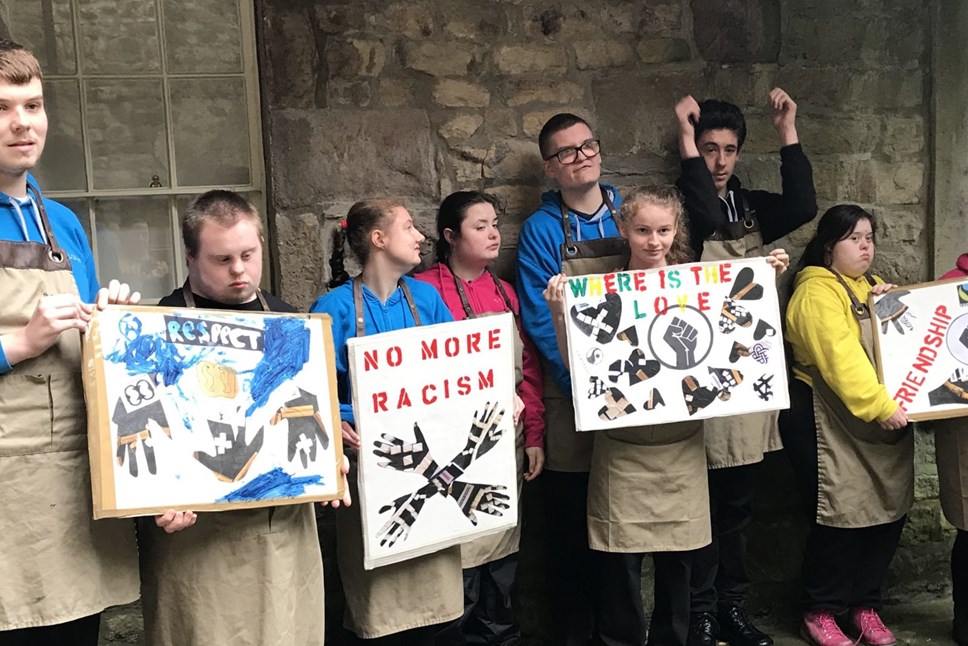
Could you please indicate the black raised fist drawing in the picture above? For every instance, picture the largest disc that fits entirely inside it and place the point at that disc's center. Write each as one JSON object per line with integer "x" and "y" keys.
{"x": 681, "y": 337}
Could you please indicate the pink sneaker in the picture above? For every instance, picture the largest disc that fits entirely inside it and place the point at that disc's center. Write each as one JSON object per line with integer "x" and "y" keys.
{"x": 867, "y": 623}
{"x": 820, "y": 629}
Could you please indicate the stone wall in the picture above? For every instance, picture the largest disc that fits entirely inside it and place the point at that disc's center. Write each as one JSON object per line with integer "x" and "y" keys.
{"x": 416, "y": 99}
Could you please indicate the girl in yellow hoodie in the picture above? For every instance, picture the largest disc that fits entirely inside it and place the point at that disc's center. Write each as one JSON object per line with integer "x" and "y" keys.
{"x": 847, "y": 439}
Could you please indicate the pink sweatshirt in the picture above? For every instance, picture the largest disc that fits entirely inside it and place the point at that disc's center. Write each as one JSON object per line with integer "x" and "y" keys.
{"x": 961, "y": 268}
{"x": 483, "y": 297}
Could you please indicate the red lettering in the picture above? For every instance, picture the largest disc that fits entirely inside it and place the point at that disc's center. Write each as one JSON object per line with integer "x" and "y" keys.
{"x": 639, "y": 280}
{"x": 485, "y": 380}
{"x": 724, "y": 276}
{"x": 661, "y": 279}
{"x": 494, "y": 339}
{"x": 379, "y": 402}
{"x": 428, "y": 350}
{"x": 463, "y": 385}
{"x": 394, "y": 356}
{"x": 370, "y": 360}
{"x": 474, "y": 342}
{"x": 404, "y": 399}
{"x": 696, "y": 272}
{"x": 429, "y": 399}
{"x": 451, "y": 346}
{"x": 703, "y": 301}
{"x": 609, "y": 283}
{"x": 661, "y": 305}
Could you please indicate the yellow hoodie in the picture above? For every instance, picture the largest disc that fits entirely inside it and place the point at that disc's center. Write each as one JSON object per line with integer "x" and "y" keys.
{"x": 824, "y": 333}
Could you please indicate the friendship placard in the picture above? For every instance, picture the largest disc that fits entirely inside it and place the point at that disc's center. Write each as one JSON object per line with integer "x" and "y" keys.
{"x": 921, "y": 340}
{"x": 664, "y": 345}
{"x": 210, "y": 410}
{"x": 434, "y": 407}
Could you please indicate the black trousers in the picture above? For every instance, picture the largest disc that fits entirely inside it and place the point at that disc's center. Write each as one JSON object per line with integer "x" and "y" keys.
{"x": 80, "y": 632}
{"x": 620, "y": 615}
{"x": 572, "y": 565}
{"x": 719, "y": 576}
{"x": 842, "y": 568}
{"x": 959, "y": 572}
{"x": 488, "y": 615}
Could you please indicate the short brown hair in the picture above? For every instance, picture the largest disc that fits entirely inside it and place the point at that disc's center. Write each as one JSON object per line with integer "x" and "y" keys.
{"x": 222, "y": 207}
{"x": 17, "y": 65}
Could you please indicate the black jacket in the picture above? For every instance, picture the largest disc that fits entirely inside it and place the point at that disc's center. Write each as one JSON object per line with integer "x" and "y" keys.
{"x": 777, "y": 214}
{"x": 177, "y": 299}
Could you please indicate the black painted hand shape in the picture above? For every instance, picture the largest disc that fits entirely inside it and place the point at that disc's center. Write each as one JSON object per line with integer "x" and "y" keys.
{"x": 681, "y": 337}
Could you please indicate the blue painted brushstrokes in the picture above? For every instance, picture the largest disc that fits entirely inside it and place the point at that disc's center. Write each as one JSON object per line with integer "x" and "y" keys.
{"x": 273, "y": 484}
{"x": 285, "y": 352}
{"x": 145, "y": 354}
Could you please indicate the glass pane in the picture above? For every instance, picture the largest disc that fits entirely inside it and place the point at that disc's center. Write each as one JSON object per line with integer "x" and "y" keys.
{"x": 211, "y": 131}
{"x": 128, "y": 138}
{"x": 134, "y": 242}
{"x": 62, "y": 166}
{"x": 119, "y": 37}
{"x": 46, "y": 28}
{"x": 79, "y": 206}
{"x": 203, "y": 37}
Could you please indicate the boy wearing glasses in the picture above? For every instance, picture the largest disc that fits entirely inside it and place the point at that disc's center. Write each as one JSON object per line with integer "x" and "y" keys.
{"x": 573, "y": 232}
{"x": 728, "y": 221}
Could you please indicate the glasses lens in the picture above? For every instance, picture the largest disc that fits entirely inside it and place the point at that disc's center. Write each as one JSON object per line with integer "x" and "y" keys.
{"x": 591, "y": 148}
{"x": 567, "y": 155}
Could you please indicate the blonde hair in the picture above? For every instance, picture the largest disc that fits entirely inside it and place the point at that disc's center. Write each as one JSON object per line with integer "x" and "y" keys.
{"x": 17, "y": 65}
{"x": 665, "y": 196}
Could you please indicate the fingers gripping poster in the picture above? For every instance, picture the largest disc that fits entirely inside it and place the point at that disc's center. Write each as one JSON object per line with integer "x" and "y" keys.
{"x": 681, "y": 342}
{"x": 921, "y": 338}
{"x": 434, "y": 407}
{"x": 210, "y": 410}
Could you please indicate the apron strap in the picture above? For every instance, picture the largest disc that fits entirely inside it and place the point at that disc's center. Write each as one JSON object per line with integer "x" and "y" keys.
{"x": 190, "y": 297}
{"x": 565, "y": 220}
{"x": 54, "y": 251}
{"x": 465, "y": 303}
{"x": 860, "y": 310}
{"x": 358, "y": 305}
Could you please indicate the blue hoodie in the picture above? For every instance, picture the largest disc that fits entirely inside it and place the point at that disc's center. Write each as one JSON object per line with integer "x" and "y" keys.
{"x": 379, "y": 317}
{"x": 68, "y": 231}
{"x": 539, "y": 258}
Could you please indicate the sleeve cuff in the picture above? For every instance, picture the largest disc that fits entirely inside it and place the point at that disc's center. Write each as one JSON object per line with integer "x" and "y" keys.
{"x": 792, "y": 149}
{"x": 4, "y": 364}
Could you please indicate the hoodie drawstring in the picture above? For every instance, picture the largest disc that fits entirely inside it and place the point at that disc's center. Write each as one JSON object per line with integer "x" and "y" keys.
{"x": 36, "y": 213}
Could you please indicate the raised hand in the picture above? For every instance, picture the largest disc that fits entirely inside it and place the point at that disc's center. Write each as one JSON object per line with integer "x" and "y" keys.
{"x": 482, "y": 436}
{"x": 687, "y": 117}
{"x": 487, "y": 499}
{"x": 401, "y": 455}
{"x": 681, "y": 337}
{"x": 784, "y": 116}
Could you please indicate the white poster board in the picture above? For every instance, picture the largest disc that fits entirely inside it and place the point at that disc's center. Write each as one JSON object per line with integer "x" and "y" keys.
{"x": 921, "y": 340}
{"x": 210, "y": 410}
{"x": 434, "y": 407}
{"x": 682, "y": 342}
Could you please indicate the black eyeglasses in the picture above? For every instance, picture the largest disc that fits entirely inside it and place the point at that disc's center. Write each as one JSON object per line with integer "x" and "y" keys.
{"x": 569, "y": 155}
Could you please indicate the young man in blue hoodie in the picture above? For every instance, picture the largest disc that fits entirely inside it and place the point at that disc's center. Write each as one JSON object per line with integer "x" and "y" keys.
{"x": 60, "y": 568}
{"x": 573, "y": 231}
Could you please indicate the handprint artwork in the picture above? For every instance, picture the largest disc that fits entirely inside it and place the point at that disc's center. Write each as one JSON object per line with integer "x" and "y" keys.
{"x": 415, "y": 457}
{"x": 890, "y": 309}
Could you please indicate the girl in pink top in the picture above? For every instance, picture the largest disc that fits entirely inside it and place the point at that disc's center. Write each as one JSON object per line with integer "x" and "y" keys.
{"x": 468, "y": 240}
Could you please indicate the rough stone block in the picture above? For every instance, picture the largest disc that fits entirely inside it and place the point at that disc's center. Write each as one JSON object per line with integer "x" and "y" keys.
{"x": 533, "y": 122}
{"x": 289, "y": 77}
{"x": 897, "y": 182}
{"x": 395, "y": 93}
{"x": 923, "y": 524}
{"x": 904, "y": 265}
{"x": 902, "y": 138}
{"x": 499, "y": 124}
{"x": 515, "y": 159}
{"x": 333, "y": 18}
{"x": 469, "y": 163}
{"x": 461, "y": 94}
{"x": 348, "y": 58}
{"x": 340, "y": 92}
{"x": 663, "y": 50}
{"x": 517, "y": 203}
{"x": 522, "y": 59}
{"x": 661, "y": 19}
{"x": 525, "y": 91}
{"x": 415, "y": 21}
{"x": 440, "y": 59}
{"x": 300, "y": 253}
{"x": 460, "y": 127}
{"x": 332, "y": 154}
{"x": 562, "y": 22}
{"x": 737, "y": 31}
{"x": 595, "y": 54}
{"x": 899, "y": 225}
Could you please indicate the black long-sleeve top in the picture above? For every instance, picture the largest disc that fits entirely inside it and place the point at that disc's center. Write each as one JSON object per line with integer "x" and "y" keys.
{"x": 778, "y": 214}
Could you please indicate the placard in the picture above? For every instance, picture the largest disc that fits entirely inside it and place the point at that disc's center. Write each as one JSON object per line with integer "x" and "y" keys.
{"x": 921, "y": 342}
{"x": 681, "y": 342}
{"x": 434, "y": 407}
{"x": 209, "y": 410}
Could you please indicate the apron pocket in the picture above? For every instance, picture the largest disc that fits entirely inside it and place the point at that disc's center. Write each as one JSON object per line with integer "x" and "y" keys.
{"x": 26, "y": 425}
{"x": 68, "y": 413}
{"x": 655, "y": 435}
{"x": 249, "y": 523}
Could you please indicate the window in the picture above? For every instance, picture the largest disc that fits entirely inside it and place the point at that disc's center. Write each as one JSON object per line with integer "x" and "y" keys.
{"x": 150, "y": 103}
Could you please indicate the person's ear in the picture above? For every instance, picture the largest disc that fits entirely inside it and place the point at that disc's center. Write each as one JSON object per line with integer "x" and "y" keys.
{"x": 450, "y": 236}
{"x": 377, "y": 239}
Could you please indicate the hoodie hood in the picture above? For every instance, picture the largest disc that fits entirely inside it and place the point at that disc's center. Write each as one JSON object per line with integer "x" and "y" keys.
{"x": 812, "y": 273}
{"x": 603, "y": 225}
{"x": 961, "y": 267}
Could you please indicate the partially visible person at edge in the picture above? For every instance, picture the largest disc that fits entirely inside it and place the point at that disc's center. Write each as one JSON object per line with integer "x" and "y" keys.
{"x": 848, "y": 441}
{"x": 256, "y": 574}
{"x": 728, "y": 221}
{"x": 951, "y": 453}
{"x": 468, "y": 241}
{"x": 407, "y": 603}
{"x": 59, "y": 567}
{"x": 573, "y": 231}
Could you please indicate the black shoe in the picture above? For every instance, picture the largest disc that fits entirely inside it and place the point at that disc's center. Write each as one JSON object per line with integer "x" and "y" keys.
{"x": 703, "y": 629}
{"x": 738, "y": 630}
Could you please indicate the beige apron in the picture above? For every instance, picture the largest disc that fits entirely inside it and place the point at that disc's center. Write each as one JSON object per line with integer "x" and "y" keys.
{"x": 865, "y": 474}
{"x": 951, "y": 455}
{"x": 56, "y": 563}
{"x": 246, "y": 577}
{"x": 648, "y": 491}
{"x": 742, "y": 439}
{"x": 419, "y": 592}
{"x": 567, "y": 449}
